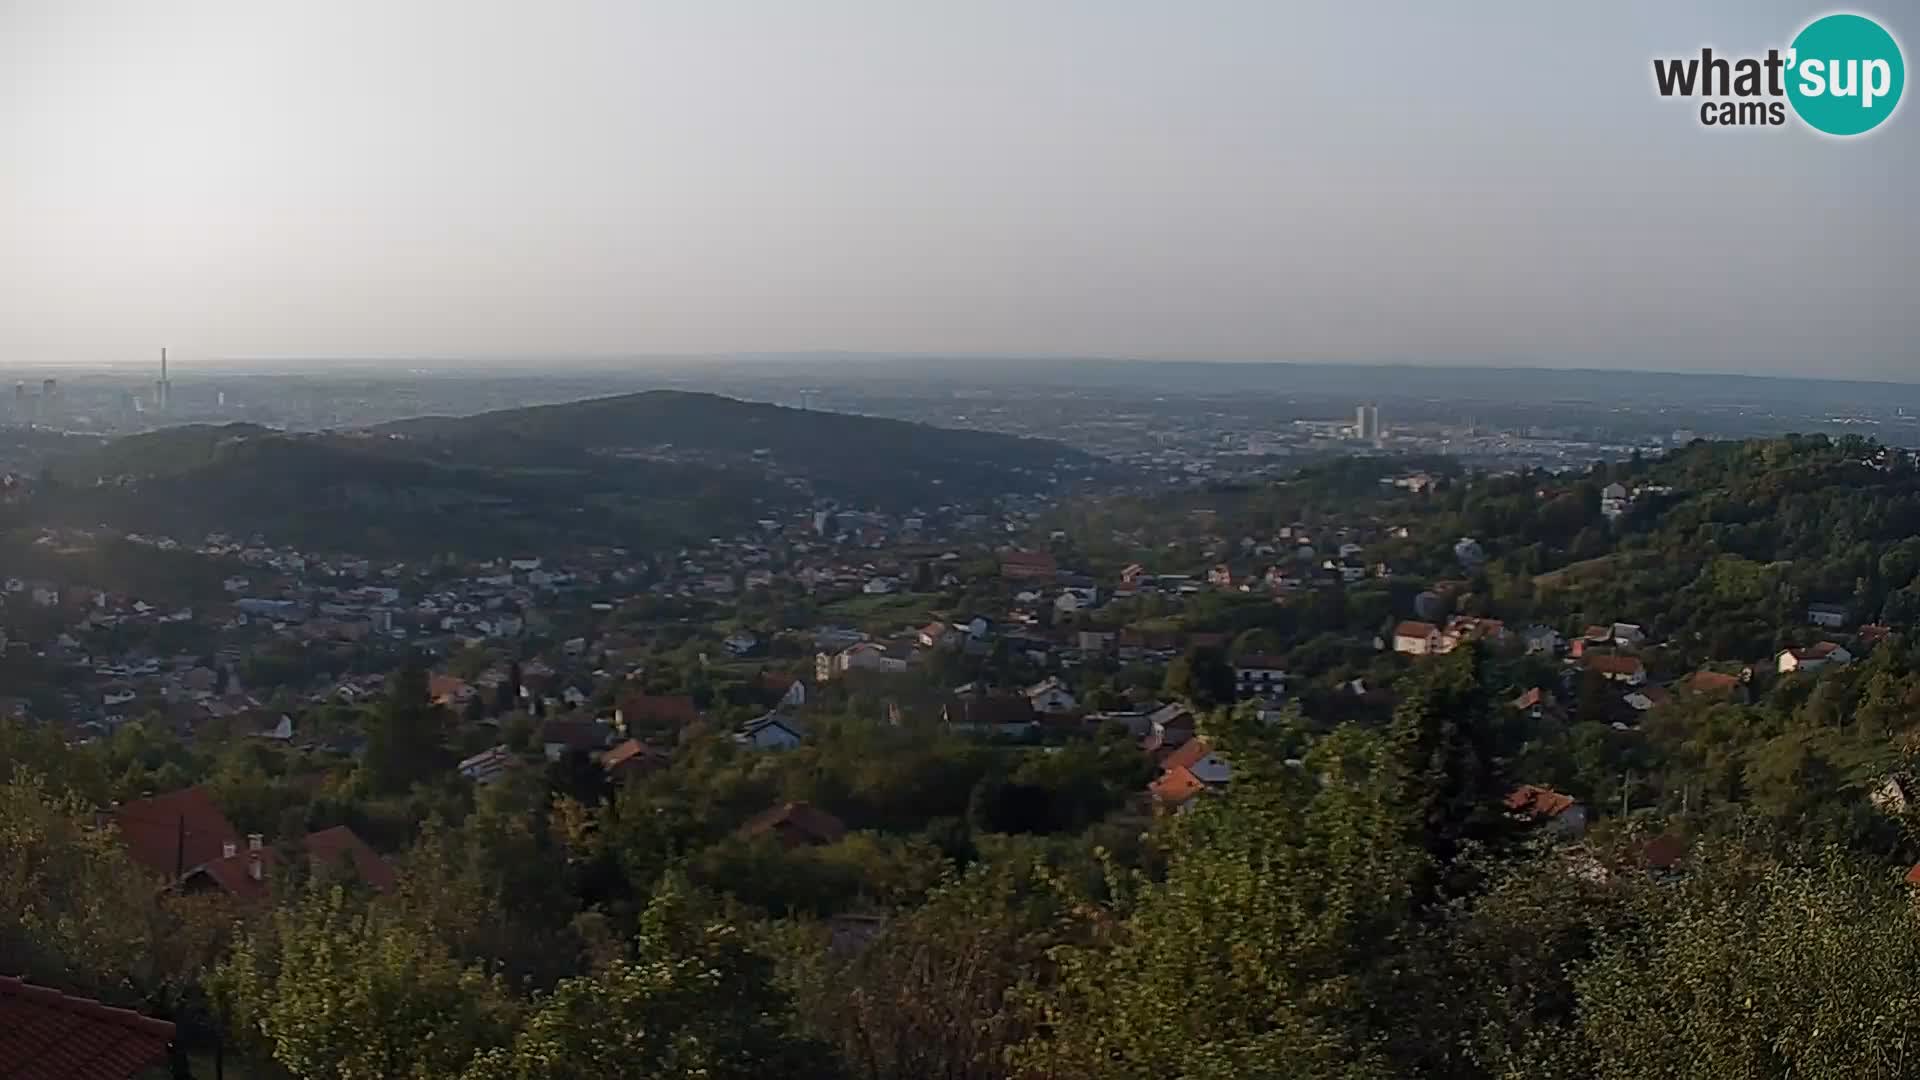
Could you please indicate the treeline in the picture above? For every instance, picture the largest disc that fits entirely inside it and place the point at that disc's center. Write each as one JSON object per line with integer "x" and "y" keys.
{"x": 1357, "y": 905}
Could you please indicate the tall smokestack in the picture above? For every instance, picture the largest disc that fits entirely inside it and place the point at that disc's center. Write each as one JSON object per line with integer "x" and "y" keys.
{"x": 163, "y": 363}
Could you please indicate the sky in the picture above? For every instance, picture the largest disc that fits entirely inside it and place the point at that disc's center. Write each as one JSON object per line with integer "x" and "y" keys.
{"x": 1492, "y": 182}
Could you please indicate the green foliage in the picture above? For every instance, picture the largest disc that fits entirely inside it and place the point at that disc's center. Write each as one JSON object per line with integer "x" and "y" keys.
{"x": 693, "y": 1000}
{"x": 334, "y": 992}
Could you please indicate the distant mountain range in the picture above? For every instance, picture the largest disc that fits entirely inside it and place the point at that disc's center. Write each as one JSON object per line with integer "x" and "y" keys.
{"x": 635, "y": 470}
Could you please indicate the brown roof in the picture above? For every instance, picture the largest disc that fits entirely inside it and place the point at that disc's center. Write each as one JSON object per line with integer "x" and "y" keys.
{"x": 1712, "y": 682}
{"x": 1535, "y": 801}
{"x": 173, "y": 833}
{"x": 1416, "y": 629}
{"x": 1913, "y": 875}
{"x": 446, "y": 689}
{"x": 668, "y": 709}
{"x": 576, "y": 734}
{"x": 47, "y": 1035}
{"x": 233, "y": 874}
{"x": 796, "y": 823}
{"x": 340, "y": 844}
{"x": 1615, "y": 664}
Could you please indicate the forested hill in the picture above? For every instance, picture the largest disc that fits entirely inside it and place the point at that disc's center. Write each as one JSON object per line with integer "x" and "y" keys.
{"x": 857, "y": 457}
{"x": 1719, "y": 547}
{"x": 381, "y": 495}
{"x": 637, "y": 470}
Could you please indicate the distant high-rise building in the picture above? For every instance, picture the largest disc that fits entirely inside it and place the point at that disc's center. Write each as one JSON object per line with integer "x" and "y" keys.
{"x": 163, "y": 390}
{"x": 1366, "y": 422}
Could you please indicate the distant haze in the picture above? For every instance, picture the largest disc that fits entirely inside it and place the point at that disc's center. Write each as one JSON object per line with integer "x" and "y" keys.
{"x": 1484, "y": 183}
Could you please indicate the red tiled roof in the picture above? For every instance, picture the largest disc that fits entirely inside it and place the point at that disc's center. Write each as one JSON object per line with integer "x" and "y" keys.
{"x": 1415, "y": 630}
{"x": 796, "y": 823}
{"x": 47, "y": 1035}
{"x": 1913, "y": 875}
{"x": 1535, "y": 801}
{"x": 1188, "y": 755}
{"x": 340, "y": 844}
{"x": 445, "y": 689}
{"x": 173, "y": 833}
{"x": 1176, "y": 786}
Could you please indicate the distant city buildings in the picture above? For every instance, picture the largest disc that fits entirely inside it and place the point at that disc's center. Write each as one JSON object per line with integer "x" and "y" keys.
{"x": 1366, "y": 423}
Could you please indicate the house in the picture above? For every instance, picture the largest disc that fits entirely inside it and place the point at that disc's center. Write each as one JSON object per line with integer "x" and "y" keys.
{"x": 881, "y": 586}
{"x": 1188, "y": 772}
{"x": 1028, "y": 566}
{"x": 796, "y": 824}
{"x": 1258, "y": 676}
{"x": 990, "y": 714}
{"x": 792, "y": 691}
{"x": 1536, "y": 703}
{"x": 1830, "y": 616}
{"x": 1132, "y": 575}
{"x": 1562, "y": 815}
{"x": 1626, "y": 633}
{"x": 488, "y": 766}
{"x": 341, "y": 850}
{"x": 448, "y": 690}
{"x": 1618, "y": 667}
{"x": 1050, "y": 697}
{"x": 561, "y": 736}
{"x": 935, "y": 635}
{"x": 1168, "y": 728}
{"x": 740, "y": 643}
{"x": 1646, "y": 698}
{"x": 1613, "y": 501}
{"x": 864, "y": 656}
{"x": 1715, "y": 684}
{"x": 1416, "y": 638}
{"x": 1812, "y": 658}
{"x": 1221, "y": 576}
{"x": 45, "y": 1033}
{"x": 656, "y": 712}
{"x": 773, "y": 731}
{"x": 1462, "y": 629}
{"x": 169, "y": 835}
{"x": 1541, "y": 639}
{"x": 633, "y": 759}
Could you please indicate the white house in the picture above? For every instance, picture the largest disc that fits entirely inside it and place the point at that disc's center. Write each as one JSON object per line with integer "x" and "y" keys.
{"x": 1812, "y": 658}
{"x": 1259, "y": 676}
{"x": 1416, "y": 638}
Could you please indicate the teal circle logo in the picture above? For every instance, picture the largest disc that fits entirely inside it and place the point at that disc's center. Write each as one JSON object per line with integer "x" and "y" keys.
{"x": 1845, "y": 74}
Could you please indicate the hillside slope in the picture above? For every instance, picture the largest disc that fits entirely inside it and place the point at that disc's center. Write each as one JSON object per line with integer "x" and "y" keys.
{"x": 861, "y": 458}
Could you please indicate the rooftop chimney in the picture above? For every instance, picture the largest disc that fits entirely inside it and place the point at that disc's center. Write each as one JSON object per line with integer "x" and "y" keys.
{"x": 253, "y": 841}
{"x": 228, "y": 849}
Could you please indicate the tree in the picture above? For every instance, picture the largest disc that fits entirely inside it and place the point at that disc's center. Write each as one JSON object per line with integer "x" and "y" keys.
{"x": 1749, "y": 967}
{"x": 693, "y": 1000}
{"x": 1202, "y": 676}
{"x": 332, "y": 992}
{"x": 406, "y": 735}
{"x": 1443, "y": 745}
{"x": 1299, "y": 880}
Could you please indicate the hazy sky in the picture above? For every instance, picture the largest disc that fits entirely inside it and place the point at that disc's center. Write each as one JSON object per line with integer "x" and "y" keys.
{"x": 1476, "y": 182}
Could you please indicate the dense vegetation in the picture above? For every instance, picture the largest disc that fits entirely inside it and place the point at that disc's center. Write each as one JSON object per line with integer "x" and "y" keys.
{"x": 1357, "y": 904}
